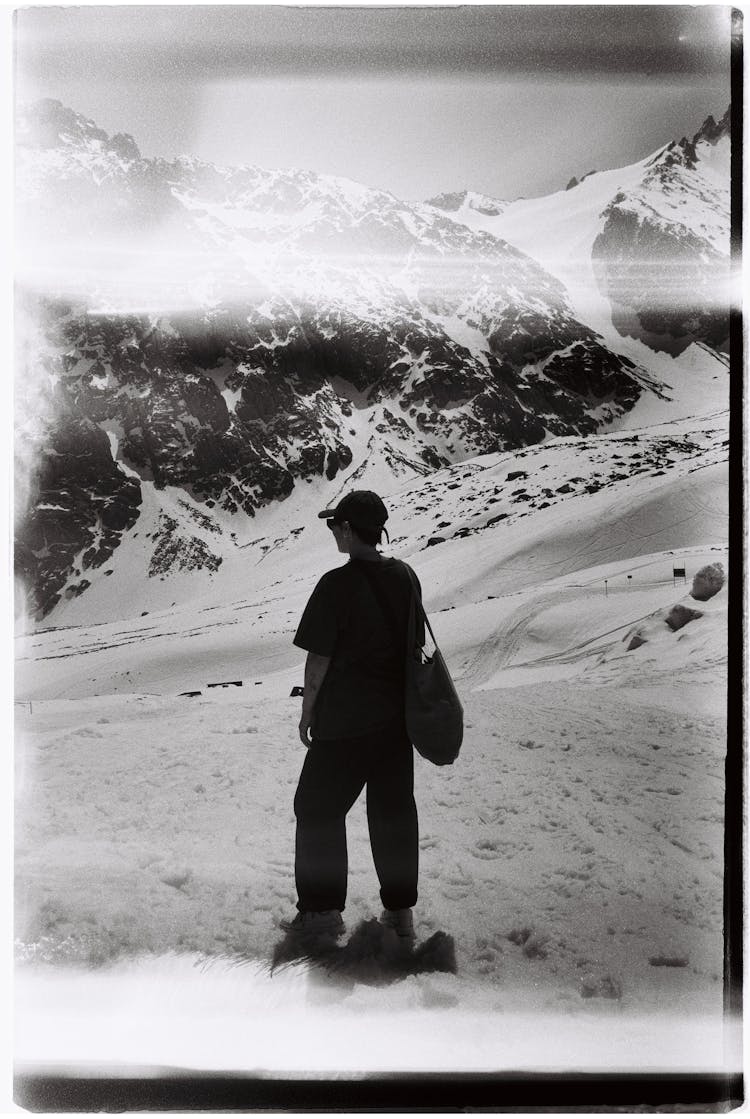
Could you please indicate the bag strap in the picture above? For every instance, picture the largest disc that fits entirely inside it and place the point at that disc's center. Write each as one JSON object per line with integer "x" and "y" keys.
{"x": 418, "y": 600}
{"x": 416, "y": 607}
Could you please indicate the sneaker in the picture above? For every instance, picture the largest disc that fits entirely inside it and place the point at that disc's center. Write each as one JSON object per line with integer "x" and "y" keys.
{"x": 314, "y": 923}
{"x": 401, "y": 921}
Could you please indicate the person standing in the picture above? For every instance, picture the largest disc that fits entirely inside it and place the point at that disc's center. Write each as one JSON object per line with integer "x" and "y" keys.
{"x": 353, "y": 629}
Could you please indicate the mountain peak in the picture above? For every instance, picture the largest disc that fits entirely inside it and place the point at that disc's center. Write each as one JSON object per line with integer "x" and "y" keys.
{"x": 50, "y": 124}
{"x": 468, "y": 199}
{"x": 574, "y": 182}
{"x": 684, "y": 151}
{"x": 712, "y": 132}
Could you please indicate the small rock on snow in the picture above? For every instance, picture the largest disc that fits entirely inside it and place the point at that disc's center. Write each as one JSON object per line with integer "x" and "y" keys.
{"x": 679, "y": 616}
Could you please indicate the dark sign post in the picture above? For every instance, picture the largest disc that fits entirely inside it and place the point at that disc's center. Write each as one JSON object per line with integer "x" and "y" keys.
{"x": 678, "y": 573}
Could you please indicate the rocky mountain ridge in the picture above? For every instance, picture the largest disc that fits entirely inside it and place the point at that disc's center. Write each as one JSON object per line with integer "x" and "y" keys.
{"x": 470, "y": 199}
{"x": 662, "y": 256}
{"x": 235, "y": 332}
{"x": 656, "y": 233}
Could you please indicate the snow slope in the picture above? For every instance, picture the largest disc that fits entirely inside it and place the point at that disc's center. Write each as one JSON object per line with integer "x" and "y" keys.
{"x": 621, "y": 485}
{"x": 573, "y": 853}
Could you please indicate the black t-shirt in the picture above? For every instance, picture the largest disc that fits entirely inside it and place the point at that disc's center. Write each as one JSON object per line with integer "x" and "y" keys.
{"x": 363, "y": 688}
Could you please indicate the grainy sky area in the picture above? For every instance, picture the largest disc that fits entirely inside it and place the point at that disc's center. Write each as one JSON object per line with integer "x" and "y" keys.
{"x": 506, "y": 100}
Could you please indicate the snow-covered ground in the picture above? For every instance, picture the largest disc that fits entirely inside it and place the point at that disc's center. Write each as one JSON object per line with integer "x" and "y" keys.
{"x": 574, "y": 852}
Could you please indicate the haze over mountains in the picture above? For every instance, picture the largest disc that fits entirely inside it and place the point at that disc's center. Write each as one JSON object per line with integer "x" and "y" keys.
{"x": 206, "y": 354}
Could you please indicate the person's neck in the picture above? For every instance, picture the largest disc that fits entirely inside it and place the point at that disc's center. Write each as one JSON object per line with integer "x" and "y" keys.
{"x": 361, "y": 551}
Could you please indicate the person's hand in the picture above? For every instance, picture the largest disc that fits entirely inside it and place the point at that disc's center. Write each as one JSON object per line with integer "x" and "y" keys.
{"x": 304, "y": 731}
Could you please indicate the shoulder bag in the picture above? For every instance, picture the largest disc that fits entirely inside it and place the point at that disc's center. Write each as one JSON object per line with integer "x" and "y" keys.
{"x": 433, "y": 710}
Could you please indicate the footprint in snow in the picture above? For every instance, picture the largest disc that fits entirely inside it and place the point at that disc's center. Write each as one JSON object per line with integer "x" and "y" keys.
{"x": 455, "y": 893}
{"x": 176, "y": 879}
{"x": 279, "y": 865}
{"x": 486, "y": 849}
{"x": 533, "y": 943}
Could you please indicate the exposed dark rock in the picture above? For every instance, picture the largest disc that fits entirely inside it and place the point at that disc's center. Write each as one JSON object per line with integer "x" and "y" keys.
{"x": 600, "y": 987}
{"x": 78, "y": 498}
{"x": 125, "y": 146}
{"x": 449, "y": 202}
{"x": 594, "y": 373}
{"x": 663, "y": 282}
{"x": 708, "y": 582}
{"x": 176, "y": 552}
{"x": 431, "y": 458}
{"x": 679, "y": 616}
{"x": 574, "y": 182}
{"x": 452, "y": 202}
{"x": 48, "y": 124}
{"x": 711, "y": 131}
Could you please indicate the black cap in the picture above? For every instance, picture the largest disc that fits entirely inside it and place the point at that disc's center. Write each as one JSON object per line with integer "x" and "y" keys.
{"x": 361, "y": 508}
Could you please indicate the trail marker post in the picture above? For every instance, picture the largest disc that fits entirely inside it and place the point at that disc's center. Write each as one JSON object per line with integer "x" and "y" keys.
{"x": 678, "y": 573}
{"x": 606, "y": 592}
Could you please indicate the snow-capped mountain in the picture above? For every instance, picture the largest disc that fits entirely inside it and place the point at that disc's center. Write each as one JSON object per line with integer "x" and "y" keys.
{"x": 198, "y": 343}
{"x": 644, "y": 247}
{"x": 662, "y": 256}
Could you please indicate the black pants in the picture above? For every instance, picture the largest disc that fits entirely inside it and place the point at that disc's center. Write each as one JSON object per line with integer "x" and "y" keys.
{"x": 333, "y": 775}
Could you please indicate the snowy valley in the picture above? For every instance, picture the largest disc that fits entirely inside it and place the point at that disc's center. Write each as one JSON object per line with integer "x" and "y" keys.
{"x": 552, "y": 451}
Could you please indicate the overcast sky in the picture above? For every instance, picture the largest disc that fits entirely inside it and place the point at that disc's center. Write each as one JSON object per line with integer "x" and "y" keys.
{"x": 507, "y": 100}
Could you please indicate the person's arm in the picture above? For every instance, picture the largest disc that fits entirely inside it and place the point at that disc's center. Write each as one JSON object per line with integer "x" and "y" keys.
{"x": 316, "y": 667}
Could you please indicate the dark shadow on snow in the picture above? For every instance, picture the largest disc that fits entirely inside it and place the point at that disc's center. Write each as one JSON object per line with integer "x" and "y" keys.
{"x": 373, "y": 954}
